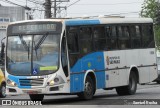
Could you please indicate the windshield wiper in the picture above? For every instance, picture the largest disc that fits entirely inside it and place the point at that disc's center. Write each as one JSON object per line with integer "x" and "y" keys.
{"x": 25, "y": 45}
{"x": 35, "y": 50}
{"x": 41, "y": 41}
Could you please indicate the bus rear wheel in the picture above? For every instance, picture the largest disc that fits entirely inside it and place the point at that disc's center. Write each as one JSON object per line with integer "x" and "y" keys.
{"x": 36, "y": 97}
{"x": 88, "y": 89}
{"x": 131, "y": 88}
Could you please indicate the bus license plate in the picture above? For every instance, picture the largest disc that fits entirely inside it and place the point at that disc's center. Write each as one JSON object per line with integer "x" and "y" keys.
{"x": 32, "y": 92}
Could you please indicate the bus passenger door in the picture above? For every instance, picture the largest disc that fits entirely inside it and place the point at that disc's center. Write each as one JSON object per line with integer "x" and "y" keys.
{"x": 64, "y": 62}
{"x": 76, "y": 74}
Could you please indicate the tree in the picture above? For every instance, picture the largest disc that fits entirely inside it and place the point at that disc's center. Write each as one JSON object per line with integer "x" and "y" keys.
{"x": 150, "y": 9}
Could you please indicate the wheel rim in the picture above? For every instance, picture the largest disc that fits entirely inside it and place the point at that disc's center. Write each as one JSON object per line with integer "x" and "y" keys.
{"x": 88, "y": 88}
{"x": 3, "y": 90}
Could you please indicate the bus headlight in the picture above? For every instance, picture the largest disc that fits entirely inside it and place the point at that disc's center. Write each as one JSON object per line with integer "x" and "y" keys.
{"x": 51, "y": 83}
{"x": 57, "y": 80}
{"x": 11, "y": 83}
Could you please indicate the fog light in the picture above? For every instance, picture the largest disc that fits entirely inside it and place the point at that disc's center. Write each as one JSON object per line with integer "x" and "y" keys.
{"x": 56, "y": 80}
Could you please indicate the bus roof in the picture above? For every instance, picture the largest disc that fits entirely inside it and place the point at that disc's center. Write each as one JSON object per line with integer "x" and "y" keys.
{"x": 91, "y": 21}
{"x": 73, "y": 22}
{"x": 42, "y": 20}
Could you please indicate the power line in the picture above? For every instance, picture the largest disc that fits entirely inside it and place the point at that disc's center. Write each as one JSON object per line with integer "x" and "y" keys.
{"x": 61, "y": 1}
{"x": 112, "y": 3}
{"x": 32, "y": 1}
{"x": 7, "y": 1}
{"x": 36, "y": 2}
{"x": 73, "y": 3}
{"x": 69, "y": 5}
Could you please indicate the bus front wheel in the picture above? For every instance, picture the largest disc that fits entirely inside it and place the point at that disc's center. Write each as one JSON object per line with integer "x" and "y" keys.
{"x": 36, "y": 97}
{"x": 131, "y": 88}
{"x": 88, "y": 89}
{"x": 3, "y": 91}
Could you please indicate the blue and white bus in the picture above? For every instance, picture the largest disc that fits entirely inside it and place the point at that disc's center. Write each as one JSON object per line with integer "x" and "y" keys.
{"x": 79, "y": 56}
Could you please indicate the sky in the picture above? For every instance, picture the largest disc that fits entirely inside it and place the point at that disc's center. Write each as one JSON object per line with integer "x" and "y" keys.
{"x": 127, "y": 8}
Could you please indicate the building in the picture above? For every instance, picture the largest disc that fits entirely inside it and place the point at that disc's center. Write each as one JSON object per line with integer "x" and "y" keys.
{"x": 9, "y": 14}
{"x": 14, "y": 13}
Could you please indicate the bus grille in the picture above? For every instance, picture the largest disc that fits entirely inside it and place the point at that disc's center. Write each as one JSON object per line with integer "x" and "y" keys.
{"x": 31, "y": 82}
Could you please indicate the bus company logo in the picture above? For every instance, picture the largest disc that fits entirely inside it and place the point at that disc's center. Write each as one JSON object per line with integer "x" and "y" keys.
{"x": 113, "y": 60}
{"x": 107, "y": 60}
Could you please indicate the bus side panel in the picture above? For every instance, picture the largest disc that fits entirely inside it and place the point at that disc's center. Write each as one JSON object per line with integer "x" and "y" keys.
{"x": 100, "y": 68}
{"x": 76, "y": 83}
{"x": 92, "y": 61}
{"x": 148, "y": 71}
{"x": 100, "y": 79}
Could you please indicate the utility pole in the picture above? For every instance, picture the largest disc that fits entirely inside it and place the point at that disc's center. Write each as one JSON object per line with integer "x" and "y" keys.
{"x": 56, "y": 7}
{"x": 47, "y": 8}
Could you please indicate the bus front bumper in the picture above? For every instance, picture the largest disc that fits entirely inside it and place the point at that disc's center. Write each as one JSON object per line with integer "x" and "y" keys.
{"x": 63, "y": 88}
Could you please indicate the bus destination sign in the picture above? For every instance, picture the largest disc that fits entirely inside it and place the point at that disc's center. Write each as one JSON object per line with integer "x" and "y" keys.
{"x": 35, "y": 28}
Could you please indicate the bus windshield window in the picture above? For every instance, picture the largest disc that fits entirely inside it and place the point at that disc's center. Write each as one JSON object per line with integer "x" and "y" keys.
{"x": 33, "y": 54}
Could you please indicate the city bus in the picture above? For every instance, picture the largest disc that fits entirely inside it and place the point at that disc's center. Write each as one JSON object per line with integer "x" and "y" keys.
{"x": 78, "y": 56}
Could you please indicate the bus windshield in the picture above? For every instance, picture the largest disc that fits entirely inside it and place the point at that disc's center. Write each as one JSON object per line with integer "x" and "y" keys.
{"x": 33, "y": 54}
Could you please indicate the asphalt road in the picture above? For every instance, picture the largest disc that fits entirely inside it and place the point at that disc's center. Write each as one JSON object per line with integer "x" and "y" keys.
{"x": 148, "y": 93}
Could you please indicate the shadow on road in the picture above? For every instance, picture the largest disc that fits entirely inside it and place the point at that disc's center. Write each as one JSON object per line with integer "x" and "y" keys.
{"x": 97, "y": 100}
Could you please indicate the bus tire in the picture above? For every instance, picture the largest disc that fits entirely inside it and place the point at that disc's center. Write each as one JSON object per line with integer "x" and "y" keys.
{"x": 3, "y": 91}
{"x": 131, "y": 88}
{"x": 158, "y": 82}
{"x": 88, "y": 89}
{"x": 36, "y": 97}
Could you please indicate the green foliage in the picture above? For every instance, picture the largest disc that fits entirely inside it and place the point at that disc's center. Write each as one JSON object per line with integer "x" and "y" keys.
{"x": 149, "y": 10}
{"x": 157, "y": 35}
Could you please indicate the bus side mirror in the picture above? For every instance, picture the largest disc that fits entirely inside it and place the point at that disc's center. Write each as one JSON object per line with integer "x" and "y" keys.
{"x": 2, "y": 50}
{"x": 2, "y": 53}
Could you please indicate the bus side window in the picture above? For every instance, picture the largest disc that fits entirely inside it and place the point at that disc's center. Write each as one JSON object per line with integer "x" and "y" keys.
{"x": 147, "y": 36}
{"x": 135, "y": 36}
{"x": 123, "y": 37}
{"x": 73, "y": 46}
{"x": 111, "y": 35}
{"x": 86, "y": 40}
{"x": 99, "y": 38}
{"x": 64, "y": 57}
